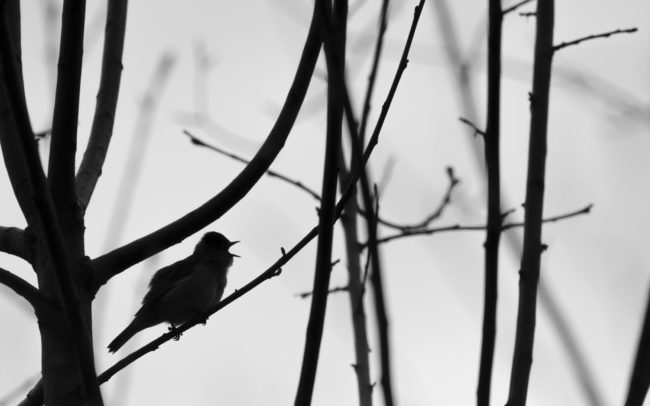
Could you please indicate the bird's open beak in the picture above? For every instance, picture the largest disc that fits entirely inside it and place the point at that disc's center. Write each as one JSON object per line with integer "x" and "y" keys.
{"x": 231, "y": 244}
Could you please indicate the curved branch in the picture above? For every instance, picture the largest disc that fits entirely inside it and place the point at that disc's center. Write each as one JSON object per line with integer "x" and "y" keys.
{"x": 122, "y": 258}
{"x": 24, "y": 289}
{"x": 109, "y": 87}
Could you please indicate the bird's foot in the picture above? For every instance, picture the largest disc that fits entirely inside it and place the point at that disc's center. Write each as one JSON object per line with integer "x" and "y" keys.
{"x": 172, "y": 328}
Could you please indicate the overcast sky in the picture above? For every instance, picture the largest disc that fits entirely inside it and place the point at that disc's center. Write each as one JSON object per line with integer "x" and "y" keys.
{"x": 597, "y": 267}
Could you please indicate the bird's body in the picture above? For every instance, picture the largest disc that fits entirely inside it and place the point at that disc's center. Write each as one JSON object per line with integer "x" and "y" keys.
{"x": 183, "y": 290}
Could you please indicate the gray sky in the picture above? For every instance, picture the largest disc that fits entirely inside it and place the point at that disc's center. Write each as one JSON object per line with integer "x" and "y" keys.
{"x": 250, "y": 353}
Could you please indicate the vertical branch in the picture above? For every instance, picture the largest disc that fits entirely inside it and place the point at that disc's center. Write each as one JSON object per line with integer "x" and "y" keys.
{"x": 494, "y": 219}
{"x": 333, "y": 32}
{"x": 61, "y": 167}
{"x": 531, "y": 256}
{"x": 640, "y": 378}
{"x": 355, "y": 286}
{"x": 372, "y": 78}
{"x": 109, "y": 87}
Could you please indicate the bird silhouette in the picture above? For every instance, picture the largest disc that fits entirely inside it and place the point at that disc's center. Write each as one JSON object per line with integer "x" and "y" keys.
{"x": 185, "y": 289}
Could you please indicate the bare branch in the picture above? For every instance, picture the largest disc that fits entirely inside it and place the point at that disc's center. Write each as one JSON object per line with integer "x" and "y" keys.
{"x": 436, "y": 214}
{"x": 595, "y": 36}
{"x": 61, "y": 165}
{"x": 533, "y": 218}
{"x": 24, "y": 289}
{"x": 477, "y": 131}
{"x": 196, "y": 141}
{"x": 459, "y": 227}
{"x": 514, "y": 7}
{"x": 12, "y": 241}
{"x": 304, "y": 295}
{"x": 372, "y": 78}
{"x": 109, "y": 86}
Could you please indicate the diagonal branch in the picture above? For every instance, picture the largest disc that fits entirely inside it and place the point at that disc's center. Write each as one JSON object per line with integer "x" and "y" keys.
{"x": 515, "y": 7}
{"x": 595, "y": 36}
{"x": 122, "y": 258}
{"x": 196, "y": 141}
{"x": 109, "y": 86}
{"x": 24, "y": 289}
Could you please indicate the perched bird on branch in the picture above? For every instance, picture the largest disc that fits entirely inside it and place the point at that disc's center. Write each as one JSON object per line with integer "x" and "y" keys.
{"x": 185, "y": 289}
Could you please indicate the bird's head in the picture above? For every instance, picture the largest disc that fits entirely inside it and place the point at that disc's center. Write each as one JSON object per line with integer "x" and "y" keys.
{"x": 214, "y": 243}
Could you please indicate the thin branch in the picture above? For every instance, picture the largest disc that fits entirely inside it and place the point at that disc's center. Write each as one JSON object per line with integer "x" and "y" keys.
{"x": 477, "y": 131}
{"x": 595, "y": 36}
{"x": 514, "y": 7}
{"x": 114, "y": 262}
{"x": 24, "y": 289}
{"x": 336, "y": 289}
{"x": 196, "y": 141}
{"x": 437, "y": 212}
{"x": 459, "y": 227}
{"x": 372, "y": 78}
{"x": 109, "y": 86}
{"x": 354, "y": 287}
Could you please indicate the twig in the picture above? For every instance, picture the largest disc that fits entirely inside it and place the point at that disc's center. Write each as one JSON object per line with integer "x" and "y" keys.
{"x": 477, "y": 131}
{"x": 459, "y": 227}
{"x": 595, "y": 36}
{"x": 336, "y": 289}
{"x": 528, "y": 14}
{"x": 436, "y": 214}
{"x": 196, "y": 141}
{"x": 372, "y": 78}
{"x": 514, "y": 7}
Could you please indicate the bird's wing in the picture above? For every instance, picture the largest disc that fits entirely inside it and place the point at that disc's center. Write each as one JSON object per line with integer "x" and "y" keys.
{"x": 166, "y": 278}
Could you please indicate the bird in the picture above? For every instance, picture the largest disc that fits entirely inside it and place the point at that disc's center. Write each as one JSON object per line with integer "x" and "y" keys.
{"x": 185, "y": 289}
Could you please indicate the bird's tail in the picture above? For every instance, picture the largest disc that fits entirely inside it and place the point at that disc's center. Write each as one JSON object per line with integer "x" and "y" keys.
{"x": 121, "y": 339}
